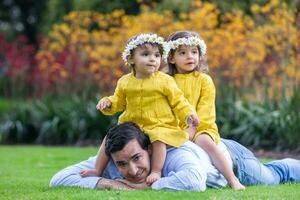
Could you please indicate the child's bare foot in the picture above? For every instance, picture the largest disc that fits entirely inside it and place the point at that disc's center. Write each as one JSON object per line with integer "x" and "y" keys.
{"x": 153, "y": 176}
{"x": 236, "y": 185}
{"x": 85, "y": 173}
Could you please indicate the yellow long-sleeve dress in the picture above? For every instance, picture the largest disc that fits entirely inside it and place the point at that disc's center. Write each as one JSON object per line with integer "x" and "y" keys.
{"x": 199, "y": 90}
{"x": 152, "y": 103}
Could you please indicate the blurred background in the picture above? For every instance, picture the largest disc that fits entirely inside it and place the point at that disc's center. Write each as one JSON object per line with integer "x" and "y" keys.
{"x": 57, "y": 58}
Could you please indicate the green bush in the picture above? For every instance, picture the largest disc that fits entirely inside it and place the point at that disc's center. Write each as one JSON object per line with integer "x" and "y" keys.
{"x": 55, "y": 122}
{"x": 270, "y": 124}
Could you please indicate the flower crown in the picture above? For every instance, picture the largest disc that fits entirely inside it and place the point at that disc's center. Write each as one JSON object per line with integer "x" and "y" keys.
{"x": 190, "y": 41}
{"x": 145, "y": 38}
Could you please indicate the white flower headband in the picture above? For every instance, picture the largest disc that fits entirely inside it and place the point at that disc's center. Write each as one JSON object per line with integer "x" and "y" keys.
{"x": 145, "y": 38}
{"x": 190, "y": 41}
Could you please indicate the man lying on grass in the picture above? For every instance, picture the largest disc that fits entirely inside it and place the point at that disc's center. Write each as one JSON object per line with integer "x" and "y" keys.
{"x": 186, "y": 168}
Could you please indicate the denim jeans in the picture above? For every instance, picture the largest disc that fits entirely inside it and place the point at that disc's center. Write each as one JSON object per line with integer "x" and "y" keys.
{"x": 250, "y": 171}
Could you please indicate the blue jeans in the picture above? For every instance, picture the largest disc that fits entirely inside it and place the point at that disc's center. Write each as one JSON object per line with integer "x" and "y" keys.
{"x": 250, "y": 171}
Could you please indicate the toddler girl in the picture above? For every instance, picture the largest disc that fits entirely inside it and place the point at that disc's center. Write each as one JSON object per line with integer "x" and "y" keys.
{"x": 186, "y": 63}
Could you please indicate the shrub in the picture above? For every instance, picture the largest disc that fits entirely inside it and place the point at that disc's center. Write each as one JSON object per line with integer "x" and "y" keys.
{"x": 16, "y": 67}
{"x": 55, "y": 122}
{"x": 268, "y": 124}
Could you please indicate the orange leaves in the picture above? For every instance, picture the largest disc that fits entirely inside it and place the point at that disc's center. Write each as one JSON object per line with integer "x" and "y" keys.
{"x": 242, "y": 50}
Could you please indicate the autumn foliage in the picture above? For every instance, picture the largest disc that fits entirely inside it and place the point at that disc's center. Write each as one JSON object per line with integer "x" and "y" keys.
{"x": 258, "y": 54}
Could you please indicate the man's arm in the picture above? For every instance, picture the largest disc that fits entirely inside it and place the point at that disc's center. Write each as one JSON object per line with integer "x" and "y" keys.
{"x": 70, "y": 176}
{"x": 104, "y": 183}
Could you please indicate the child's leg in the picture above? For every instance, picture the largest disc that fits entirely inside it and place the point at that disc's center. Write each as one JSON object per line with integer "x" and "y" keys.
{"x": 159, "y": 151}
{"x": 219, "y": 161}
{"x": 101, "y": 162}
{"x": 191, "y": 130}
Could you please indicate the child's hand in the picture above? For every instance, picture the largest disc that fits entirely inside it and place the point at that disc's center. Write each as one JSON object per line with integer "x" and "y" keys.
{"x": 86, "y": 172}
{"x": 104, "y": 105}
{"x": 192, "y": 120}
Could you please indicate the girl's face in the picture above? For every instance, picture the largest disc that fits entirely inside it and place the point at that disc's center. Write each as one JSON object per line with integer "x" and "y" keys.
{"x": 146, "y": 60}
{"x": 185, "y": 58}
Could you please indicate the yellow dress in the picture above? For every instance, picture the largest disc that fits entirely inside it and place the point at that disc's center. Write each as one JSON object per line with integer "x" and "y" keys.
{"x": 199, "y": 90}
{"x": 152, "y": 103}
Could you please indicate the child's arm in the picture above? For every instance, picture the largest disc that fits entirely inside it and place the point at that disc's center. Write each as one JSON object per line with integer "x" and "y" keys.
{"x": 206, "y": 109}
{"x": 114, "y": 103}
{"x": 101, "y": 162}
{"x": 179, "y": 104}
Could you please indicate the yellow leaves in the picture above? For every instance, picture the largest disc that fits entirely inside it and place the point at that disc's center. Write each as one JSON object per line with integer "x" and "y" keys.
{"x": 242, "y": 50}
{"x": 117, "y": 13}
{"x": 65, "y": 29}
{"x": 94, "y": 55}
{"x": 255, "y": 8}
{"x": 94, "y": 67}
{"x": 63, "y": 74}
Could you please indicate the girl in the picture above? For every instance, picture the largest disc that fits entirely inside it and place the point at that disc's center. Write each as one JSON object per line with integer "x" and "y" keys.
{"x": 149, "y": 98}
{"x": 186, "y": 64}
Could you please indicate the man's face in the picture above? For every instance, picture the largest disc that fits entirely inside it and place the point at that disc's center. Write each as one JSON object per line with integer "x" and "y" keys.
{"x": 133, "y": 162}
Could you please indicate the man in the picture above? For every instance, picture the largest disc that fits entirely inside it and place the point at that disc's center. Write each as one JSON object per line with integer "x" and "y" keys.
{"x": 186, "y": 168}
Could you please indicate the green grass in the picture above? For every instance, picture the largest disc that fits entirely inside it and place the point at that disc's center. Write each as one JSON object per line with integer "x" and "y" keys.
{"x": 25, "y": 172}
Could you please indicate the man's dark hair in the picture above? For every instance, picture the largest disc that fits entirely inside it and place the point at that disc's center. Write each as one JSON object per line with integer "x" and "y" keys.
{"x": 119, "y": 135}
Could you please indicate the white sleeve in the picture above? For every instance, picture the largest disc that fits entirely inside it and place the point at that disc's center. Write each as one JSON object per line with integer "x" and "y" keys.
{"x": 70, "y": 176}
{"x": 181, "y": 171}
{"x": 189, "y": 179}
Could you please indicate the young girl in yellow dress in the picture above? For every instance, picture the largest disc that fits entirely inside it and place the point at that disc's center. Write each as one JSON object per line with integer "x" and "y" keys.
{"x": 186, "y": 62}
{"x": 149, "y": 98}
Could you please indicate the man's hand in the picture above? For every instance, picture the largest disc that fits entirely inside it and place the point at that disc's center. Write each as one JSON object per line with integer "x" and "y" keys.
{"x": 104, "y": 105}
{"x": 192, "y": 120}
{"x": 113, "y": 184}
{"x": 137, "y": 186}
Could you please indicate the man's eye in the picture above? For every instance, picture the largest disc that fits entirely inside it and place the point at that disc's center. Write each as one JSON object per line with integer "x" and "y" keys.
{"x": 145, "y": 54}
{"x": 121, "y": 165}
{"x": 136, "y": 158}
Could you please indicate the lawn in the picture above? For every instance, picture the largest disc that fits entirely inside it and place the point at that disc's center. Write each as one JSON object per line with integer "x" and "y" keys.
{"x": 25, "y": 172}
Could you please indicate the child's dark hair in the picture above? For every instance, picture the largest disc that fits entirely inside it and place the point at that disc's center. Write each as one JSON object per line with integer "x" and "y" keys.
{"x": 145, "y": 45}
{"x": 202, "y": 66}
